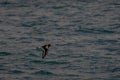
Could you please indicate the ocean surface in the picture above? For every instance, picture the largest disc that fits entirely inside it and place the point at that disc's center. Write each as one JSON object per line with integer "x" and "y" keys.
{"x": 84, "y": 34}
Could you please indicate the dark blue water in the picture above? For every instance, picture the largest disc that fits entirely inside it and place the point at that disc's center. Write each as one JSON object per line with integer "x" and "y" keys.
{"x": 85, "y": 38}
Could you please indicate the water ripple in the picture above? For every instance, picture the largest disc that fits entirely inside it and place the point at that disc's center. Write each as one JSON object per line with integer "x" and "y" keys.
{"x": 43, "y": 72}
{"x": 95, "y": 31}
{"x": 49, "y": 62}
{"x": 5, "y": 53}
{"x": 15, "y": 72}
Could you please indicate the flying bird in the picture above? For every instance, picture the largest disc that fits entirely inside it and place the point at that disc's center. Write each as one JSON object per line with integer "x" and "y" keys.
{"x": 45, "y": 50}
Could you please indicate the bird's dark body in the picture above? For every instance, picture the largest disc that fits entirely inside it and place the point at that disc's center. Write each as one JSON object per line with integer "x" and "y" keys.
{"x": 45, "y": 52}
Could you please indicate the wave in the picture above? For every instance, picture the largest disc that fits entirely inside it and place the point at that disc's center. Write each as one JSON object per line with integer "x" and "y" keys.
{"x": 95, "y": 31}
{"x": 56, "y": 62}
{"x": 4, "y": 53}
{"x": 37, "y": 61}
{"x": 115, "y": 70}
{"x": 105, "y": 41}
{"x": 15, "y": 72}
{"x": 43, "y": 72}
{"x": 49, "y": 62}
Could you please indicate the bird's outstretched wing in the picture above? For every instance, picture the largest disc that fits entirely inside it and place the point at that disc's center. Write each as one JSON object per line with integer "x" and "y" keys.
{"x": 44, "y": 54}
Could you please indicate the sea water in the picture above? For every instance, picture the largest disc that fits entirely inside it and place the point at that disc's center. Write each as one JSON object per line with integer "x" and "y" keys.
{"x": 84, "y": 34}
